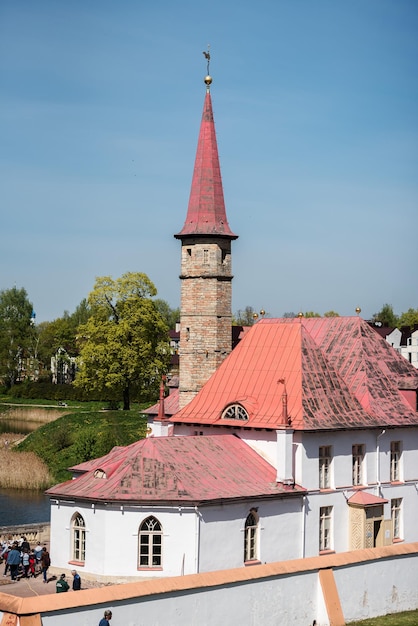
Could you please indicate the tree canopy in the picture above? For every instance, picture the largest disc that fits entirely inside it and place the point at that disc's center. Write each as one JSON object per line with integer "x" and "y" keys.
{"x": 17, "y": 333}
{"x": 124, "y": 347}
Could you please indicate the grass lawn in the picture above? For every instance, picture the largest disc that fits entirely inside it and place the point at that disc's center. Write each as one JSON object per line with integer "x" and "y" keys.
{"x": 410, "y": 618}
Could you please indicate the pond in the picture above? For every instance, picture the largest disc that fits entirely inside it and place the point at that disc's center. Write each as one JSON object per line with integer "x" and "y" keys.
{"x": 23, "y": 506}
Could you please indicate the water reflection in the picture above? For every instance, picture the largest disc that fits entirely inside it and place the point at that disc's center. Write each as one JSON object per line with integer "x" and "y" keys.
{"x": 23, "y": 506}
{"x": 17, "y": 426}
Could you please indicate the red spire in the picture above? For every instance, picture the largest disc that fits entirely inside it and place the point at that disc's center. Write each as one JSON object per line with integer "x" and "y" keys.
{"x": 206, "y": 213}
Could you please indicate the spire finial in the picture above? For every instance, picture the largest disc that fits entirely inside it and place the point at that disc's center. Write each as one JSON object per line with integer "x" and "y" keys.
{"x": 208, "y": 78}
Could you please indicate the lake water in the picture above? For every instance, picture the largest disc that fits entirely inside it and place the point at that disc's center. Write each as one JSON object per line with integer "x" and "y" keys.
{"x": 22, "y": 506}
{"x": 19, "y": 506}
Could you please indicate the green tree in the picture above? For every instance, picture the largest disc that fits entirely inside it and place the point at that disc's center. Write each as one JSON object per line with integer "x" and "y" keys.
{"x": 16, "y": 334}
{"x": 331, "y": 314}
{"x": 124, "y": 347}
{"x": 410, "y": 318}
{"x": 170, "y": 316}
{"x": 386, "y": 316}
{"x": 61, "y": 333}
{"x": 311, "y": 314}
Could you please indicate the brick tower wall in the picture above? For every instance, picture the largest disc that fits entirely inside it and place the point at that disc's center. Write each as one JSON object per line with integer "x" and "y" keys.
{"x": 206, "y": 316}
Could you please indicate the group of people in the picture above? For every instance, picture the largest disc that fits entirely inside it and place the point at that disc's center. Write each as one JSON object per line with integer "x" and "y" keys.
{"x": 22, "y": 561}
{"x": 62, "y": 585}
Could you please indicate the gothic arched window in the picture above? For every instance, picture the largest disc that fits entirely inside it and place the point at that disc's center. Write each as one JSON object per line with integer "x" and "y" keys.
{"x": 78, "y": 538}
{"x": 251, "y": 536}
{"x": 150, "y": 543}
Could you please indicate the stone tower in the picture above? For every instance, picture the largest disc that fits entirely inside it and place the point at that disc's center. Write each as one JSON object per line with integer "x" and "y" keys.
{"x": 206, "y": 275}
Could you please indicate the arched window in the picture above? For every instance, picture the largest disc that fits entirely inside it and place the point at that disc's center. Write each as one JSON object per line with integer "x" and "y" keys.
{"x": 251, "y": 536}
{"x": 150, "y": 543}
{"x": 78, "y": 535}
{"x": 235, "y": 412}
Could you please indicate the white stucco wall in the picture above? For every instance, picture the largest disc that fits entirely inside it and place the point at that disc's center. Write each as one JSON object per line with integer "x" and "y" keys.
{"x": 368, "y": 583}
{"x": 222, "y": 532}
{"x": 112, "y": 539}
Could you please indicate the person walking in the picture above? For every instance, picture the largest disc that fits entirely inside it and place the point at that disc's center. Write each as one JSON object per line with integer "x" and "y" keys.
{"x": 105, "y": 621}
{"x": 61, "y": 584}
{"x": 13, "y": 561}
{"x": 76, "y": 580}
{"x": 45, "y": 563}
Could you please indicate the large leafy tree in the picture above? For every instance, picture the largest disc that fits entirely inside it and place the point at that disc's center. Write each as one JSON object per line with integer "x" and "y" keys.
{"x": 124, "y": 346}
{"x": 16, "y": 333}
{"x": 386, "y": 316}
{"x": 62, "y": 333}
{"x": 409, "y": 318}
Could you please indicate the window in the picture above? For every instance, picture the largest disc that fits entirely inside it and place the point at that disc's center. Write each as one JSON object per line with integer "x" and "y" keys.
{"x": 150, "y": 543}
{"x": 205, "y": 257}
{"x": 235, "y": 412}
{"x": 78, "y": 534}
{"x": 358, "y": 458}
{"x": 325, "y": 455}
{"x": 251, "y": 536}
{"x": 325, "y": 521}
{"x": 395, "y": 461}
{"x": 395, "y": 506}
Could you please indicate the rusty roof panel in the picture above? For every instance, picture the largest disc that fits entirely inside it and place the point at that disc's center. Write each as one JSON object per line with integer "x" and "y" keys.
{"x": 176, "y": 469}
{"x": 338, "y": 373}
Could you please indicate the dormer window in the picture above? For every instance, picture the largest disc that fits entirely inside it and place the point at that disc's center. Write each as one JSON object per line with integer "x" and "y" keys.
{"x": 99, "y": 473}
{"x": 235, "y": 412}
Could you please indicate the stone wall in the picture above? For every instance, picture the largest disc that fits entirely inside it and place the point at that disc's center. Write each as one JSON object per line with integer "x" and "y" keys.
{"x": 326, "y": 590}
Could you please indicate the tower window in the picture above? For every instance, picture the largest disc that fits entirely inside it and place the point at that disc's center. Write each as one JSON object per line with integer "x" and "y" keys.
{"x": 189, "y": 251}
{"x": 205, "y": 257}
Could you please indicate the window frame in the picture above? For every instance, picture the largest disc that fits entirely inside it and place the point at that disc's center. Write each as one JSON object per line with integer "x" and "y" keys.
{"x": 78, "y": 538}
{"x": 251, "y": 537}
{"x": 236, "y": 412}
{"x": 150, "y": 544}
{"x": 395, "y": 461}
{"x": 326, "y": 528}
{"x": 396, "y": 518}
{"x": 325, "y": 467}
{"x": 358, "y": 452}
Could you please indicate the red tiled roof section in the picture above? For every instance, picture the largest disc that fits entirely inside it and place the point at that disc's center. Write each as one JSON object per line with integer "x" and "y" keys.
{"x": 206, "y": 213}
{"x": 176, "y": 469}
{"x": 362, "y": 498}
{"x": 338, "y": 373}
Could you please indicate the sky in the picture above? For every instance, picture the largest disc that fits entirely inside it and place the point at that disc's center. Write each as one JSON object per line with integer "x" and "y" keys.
{"x": 316, "y": 114}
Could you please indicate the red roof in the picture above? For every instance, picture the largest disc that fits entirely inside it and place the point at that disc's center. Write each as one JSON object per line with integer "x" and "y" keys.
{"x": 362, "y": 498}
{"x": 206, "y": 213}
{"x": 176, "y": 469}
{"x": 337, "y": 373}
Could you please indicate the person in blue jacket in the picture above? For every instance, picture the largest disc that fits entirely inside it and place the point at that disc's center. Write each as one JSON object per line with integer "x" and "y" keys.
{"x": 76, "y": 580}
{"x": 105, "y": 620}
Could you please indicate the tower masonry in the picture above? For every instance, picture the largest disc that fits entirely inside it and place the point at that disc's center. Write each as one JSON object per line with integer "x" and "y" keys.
{"x": 206, "y": 271}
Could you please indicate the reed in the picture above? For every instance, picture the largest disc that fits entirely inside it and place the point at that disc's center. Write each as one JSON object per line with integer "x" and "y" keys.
{"x": 23, "y": 470}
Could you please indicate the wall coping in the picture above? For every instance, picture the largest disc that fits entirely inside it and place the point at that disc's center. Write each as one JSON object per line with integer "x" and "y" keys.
{"x": 183, "y": 584}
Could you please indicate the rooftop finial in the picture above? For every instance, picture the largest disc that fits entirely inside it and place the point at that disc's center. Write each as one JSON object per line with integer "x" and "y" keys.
{"x": 208, "y": 78}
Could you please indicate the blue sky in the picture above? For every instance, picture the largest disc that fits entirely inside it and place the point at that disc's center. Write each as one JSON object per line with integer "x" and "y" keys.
{"x": 316, "y": 112}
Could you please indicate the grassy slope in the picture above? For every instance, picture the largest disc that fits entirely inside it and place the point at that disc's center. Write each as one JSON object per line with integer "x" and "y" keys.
{"x": 81, "y": 436}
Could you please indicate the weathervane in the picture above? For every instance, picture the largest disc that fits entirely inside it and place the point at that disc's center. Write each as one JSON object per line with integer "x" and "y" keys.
{"x": 208, "y": 78}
